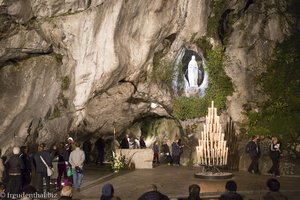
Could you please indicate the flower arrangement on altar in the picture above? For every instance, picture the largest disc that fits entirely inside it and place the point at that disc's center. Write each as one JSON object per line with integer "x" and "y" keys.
{"x": 118, "y": 162}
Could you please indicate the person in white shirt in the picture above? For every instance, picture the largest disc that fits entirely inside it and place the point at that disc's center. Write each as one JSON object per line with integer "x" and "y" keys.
{"x": 76, "y": 160}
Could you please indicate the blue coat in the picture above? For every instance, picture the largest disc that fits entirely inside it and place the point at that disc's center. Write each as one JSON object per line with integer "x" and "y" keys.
{"x": 175, "y": 149}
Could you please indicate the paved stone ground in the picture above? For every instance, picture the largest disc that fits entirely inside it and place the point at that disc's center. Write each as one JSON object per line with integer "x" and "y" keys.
{"x": 174, "y": 181}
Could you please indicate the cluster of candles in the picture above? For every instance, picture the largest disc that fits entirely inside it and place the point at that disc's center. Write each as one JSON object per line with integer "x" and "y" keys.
{"x": 212, "y": 150}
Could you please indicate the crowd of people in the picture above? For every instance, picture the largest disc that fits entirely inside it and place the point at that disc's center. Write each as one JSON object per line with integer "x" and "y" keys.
{"x": 17, "y": 171}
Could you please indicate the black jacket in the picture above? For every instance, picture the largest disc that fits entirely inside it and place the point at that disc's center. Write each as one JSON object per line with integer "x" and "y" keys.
{"x": 254, "y": 149}
{"x": 15, "y": 165}
{"x": 100, "y": 144}
{"x": 26, "y": 161}
{"x": 40, "y": 166}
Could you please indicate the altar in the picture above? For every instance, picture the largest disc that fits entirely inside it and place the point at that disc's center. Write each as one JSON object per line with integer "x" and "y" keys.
{"x": 137, "y": 158}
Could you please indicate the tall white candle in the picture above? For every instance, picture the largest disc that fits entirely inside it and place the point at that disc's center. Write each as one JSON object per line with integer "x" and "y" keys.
{"x": 226, "y": 155}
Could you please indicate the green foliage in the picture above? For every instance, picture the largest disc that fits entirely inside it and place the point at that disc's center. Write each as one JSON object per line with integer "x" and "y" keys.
{"x": 204, "y": 45}
{"x": 56, "y": 112}
{"x": 220, "y": 86}
{"x": 65, "y": 83}
{"x": 164, "y": 72}
{"x": 279, "y": 115}
{"x": 58, "y": 57}
{"x": 189, "y": 108}
{"x": 217, "y": 7}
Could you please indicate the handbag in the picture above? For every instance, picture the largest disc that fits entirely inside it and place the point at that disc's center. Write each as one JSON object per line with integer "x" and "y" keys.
{"x": 78, "y": 170}
{"x": 50, "y": 171}
{"x": 69, "y": 172}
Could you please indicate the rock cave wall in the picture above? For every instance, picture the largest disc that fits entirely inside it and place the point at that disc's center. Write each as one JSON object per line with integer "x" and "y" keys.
{"x": 84, "y": 66}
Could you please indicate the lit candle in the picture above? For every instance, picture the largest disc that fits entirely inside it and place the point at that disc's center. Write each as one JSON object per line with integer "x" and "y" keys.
{"x": 213, "y": 156}
{"x": 226, "y": 155}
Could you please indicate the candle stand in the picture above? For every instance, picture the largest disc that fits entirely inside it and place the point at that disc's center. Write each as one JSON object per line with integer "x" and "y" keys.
{"x": 212, "y": 151}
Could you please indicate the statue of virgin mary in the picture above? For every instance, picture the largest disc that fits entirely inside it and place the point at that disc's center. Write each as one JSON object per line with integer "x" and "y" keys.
{"x": 193, "y": 72}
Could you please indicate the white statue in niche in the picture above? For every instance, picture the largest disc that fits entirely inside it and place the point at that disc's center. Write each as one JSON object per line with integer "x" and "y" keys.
{"x": 193, "y": 72}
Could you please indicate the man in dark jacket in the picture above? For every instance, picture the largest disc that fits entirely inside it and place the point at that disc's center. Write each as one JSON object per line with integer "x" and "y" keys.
{"x": 62, "y": 164}
{"x": 100, "y": 145}
{"x": 26, "y": 172}
{"x": 41, "y": 169}
{"x": 125, "y": 142}
{"x": 175, "y": 152}
{"x": 254, "y": 153}
{"x": 87, "y": 148}
{"x": 142, "y": 143}
{"x": 15, "y": 166}
{"x": 153, "y": 194}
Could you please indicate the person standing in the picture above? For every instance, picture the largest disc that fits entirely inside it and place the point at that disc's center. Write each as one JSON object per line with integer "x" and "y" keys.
{"x": 180, "y": 149}
{"x": 41, "y": 169}
{"x": 26, "y": 172}
{"x": 87, "y": 148}
{"x": 175, "y": 153}
{"x": 125, "y": 142}
{"x": 275, "y": 153}
{"x": 155, "y": 153}
{"x": 69, "y": 145}
{"x": 254, "y": 152}
{"x": 166, "y": 151}
{"x": 142, "y": 143}
{"x": 62, "y": 164}
{"x": 76, "y": 160}
{"x": 15, "y": 166}
{"x": 100, "y": 145}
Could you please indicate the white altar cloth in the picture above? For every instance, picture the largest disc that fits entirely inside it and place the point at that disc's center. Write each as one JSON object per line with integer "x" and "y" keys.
{"x": 137, "y": 158}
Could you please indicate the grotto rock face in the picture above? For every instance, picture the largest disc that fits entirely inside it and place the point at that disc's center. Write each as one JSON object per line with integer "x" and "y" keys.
{"x": 106, "y": 49}
{"x": 29, "y": 90}
{"x": 85, "y": 65}
{"x": 251, "y": 42}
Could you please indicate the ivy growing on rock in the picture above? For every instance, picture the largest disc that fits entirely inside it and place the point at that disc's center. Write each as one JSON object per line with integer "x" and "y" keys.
{"x": 164, "y": 72}
{"x": 279, "y": 115}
